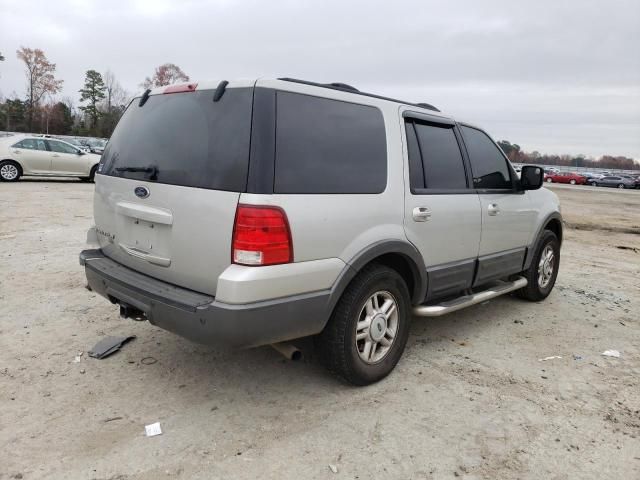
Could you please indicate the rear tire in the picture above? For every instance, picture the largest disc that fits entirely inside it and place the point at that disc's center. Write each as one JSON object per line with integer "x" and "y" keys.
{"x": 543, "y": 271}
{"x": 621, "y": 185}
{"x": 549, "y": 180}
{"x": 368, "y": 330}
{"x": 10, "y": 171}
{"x": 594, "y": 184}
{"x": 572, "y": 182}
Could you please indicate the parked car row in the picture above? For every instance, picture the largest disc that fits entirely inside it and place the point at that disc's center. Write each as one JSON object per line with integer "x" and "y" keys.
{"x": 605, "y": 179}
{"x": 44, "y": 156}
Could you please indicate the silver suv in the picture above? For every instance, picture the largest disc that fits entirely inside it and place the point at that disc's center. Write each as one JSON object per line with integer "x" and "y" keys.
{"x": 255, "y": 212}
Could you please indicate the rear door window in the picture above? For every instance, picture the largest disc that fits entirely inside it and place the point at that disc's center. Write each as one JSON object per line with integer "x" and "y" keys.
{"x": 31, "y": 144}
{"x": 435, "y": 160}
{"x": 328, "y": 146}
{"x": 488, "y": 164}
{"x": 184, "y": 139}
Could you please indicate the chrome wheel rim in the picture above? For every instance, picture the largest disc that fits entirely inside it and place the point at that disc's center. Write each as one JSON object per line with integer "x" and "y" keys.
{"x": 9, "y": 172}
{"x": 546, "y": 266}
{"x": 377, "y": 327}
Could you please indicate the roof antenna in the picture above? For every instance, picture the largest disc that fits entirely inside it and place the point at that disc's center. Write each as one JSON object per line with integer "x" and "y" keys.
{"x": 220, "y": 90}
{"x": 145, "y": 97}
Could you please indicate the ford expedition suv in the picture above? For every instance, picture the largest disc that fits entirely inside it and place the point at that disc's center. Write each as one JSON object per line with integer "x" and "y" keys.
{"x": 248, "y": 213}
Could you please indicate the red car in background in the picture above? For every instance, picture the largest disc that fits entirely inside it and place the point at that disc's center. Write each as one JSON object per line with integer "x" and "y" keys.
{"x": 565, "y": 177}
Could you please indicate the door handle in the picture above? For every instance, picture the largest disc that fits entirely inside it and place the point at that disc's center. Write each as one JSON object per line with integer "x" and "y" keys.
{"x": 493, "y": 209}
{"x": 16, "y": 151}
{"x": 421, "y": 214}
{"x": 55, "y": 155}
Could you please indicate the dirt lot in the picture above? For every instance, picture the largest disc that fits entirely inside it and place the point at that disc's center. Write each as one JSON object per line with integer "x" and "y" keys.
{"x": 469, "y": 399}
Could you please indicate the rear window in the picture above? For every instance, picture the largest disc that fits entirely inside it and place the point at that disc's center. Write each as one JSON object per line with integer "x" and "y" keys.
{"x": 184, "y": 139}
{"x": 435, "y": 161}
{"x": 328, "y": 146}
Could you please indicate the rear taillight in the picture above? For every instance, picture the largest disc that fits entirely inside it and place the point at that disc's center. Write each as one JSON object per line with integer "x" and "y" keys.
{"x": 261, "y": 236}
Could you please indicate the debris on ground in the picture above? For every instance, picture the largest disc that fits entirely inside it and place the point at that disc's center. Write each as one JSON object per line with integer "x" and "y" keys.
{"x": 549, "y": 358}
{"x": 577, "y": 357}
{"x": 148, "y": 361}
{"x": 611, "y": 353}
{"x": 108, "y": 345}
{"x": 78, "y": 357}
{"x": 153, "y": 429}
{"x": 333, "y": 468}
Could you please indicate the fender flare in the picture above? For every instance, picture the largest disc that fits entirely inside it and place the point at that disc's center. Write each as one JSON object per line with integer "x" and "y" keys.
{"x": 403, "y": 248}
{"x": 541, "y": 228}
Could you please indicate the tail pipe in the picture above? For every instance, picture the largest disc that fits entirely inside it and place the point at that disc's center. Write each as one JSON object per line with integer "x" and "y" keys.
{"x": 289, "y": 351}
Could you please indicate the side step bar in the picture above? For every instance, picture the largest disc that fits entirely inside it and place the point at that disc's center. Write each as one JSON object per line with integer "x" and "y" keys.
{"x": 499, "y": 288}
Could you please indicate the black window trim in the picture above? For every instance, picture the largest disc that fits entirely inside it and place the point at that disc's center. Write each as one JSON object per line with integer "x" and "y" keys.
{"x": 515, "y": 184}
{"x": 410, "y": 117}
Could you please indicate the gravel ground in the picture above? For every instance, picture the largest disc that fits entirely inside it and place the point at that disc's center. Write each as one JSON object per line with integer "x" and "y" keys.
{"x": 469, "y": 399}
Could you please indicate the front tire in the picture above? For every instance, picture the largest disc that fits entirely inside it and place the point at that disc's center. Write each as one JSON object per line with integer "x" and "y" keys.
{"x": 10, "y": 171}
{"x": 543, "y": 271}
{"x": 91, "y": 176}
{"x": 368, "y": 330}
{"x": 621, "y": 185}
{"x": 594, "y": 184}
{"x": 572, "y": 182}
{"x": 549, "y": 180}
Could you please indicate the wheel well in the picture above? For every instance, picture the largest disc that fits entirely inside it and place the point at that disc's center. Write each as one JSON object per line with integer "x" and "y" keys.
{"x": 13, "y": 161}
{"x": 555, "y": 226}
{"x": 403, "y": 266}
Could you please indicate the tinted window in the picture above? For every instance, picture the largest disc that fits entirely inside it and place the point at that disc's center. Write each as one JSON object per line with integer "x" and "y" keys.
{"x": 61, "y": 147}
{"x": 31, "y": 144}
{"x": 328, "y": 146}
{"x": 184, "y": 139}
{"x": 439, "y": 154}
{"x": 489, "y": 166}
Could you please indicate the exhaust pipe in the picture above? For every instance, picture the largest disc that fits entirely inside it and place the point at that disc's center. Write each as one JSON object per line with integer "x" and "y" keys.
{"x": 289, "y": 351}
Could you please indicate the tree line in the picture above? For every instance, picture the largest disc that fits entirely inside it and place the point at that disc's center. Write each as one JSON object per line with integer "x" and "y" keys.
{"x": 102, "y": 99}
{"x": 517, "y": 155}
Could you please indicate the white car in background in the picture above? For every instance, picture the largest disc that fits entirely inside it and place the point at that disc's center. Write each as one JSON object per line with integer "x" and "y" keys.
{"x": 43, "y": 156}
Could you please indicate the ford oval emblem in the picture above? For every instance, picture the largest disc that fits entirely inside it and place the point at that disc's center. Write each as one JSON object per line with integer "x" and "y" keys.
{"x": 142, "y": 192}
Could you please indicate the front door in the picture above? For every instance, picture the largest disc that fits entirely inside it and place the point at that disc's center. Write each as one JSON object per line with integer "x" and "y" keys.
{"x": 508, "y": 216}
{"x": 442, "y": 210}
{"x": 65, "y": 159}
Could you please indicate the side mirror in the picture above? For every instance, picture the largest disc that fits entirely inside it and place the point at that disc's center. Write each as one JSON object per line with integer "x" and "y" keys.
{"x": 531, "y": 177}
{"x": 79, "y": 152}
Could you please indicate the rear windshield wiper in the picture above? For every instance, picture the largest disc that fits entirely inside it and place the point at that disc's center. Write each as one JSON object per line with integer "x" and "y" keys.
{"x": 153, "y": 170}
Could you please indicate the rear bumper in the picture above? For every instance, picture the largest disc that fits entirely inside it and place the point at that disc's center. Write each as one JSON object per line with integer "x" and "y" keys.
{"x": 201, "y": 318}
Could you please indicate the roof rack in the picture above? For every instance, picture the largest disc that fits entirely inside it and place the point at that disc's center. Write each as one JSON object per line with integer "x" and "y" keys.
{"x": 348, "y": 88}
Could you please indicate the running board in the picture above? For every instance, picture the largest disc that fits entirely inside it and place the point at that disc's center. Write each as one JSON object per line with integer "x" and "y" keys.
{"x": 459, "y": 303}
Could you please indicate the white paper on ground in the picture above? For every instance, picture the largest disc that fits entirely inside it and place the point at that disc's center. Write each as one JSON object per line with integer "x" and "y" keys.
{"x": 611, "y": 353}
{"x": 153, "y": 429}
{"x": 548, "y": 358}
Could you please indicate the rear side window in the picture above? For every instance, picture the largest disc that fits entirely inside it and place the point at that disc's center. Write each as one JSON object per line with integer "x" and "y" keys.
{"x": 328, "y": 146}
{"x": 435, "y": 160}
{"x": 184, "y": 139}
{"x": 490, "y": 170}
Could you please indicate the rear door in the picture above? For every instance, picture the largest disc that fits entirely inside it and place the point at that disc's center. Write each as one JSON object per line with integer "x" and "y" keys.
{"x": 168, "y": 185}
{"x": 33, "y": 155}
{"x": 508, "y": 215}
{"x": 65, "y": 159}
{"x": 442, "y": 211}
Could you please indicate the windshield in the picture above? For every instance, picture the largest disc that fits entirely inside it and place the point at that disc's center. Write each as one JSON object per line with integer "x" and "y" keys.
{"x": 184, "y": 139}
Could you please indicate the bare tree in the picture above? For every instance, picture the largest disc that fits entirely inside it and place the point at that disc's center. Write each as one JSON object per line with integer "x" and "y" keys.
{"x": 165, "y": 75}
{"x": 115, "y": 95}
{"x": 40, "y": 78}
